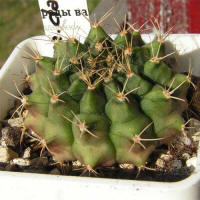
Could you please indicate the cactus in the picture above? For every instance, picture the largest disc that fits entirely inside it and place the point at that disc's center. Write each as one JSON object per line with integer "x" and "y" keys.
{"x": 105, "y": 101}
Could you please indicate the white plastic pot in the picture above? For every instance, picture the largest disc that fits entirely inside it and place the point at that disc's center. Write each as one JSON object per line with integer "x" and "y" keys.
{"x": 15, "y": 185}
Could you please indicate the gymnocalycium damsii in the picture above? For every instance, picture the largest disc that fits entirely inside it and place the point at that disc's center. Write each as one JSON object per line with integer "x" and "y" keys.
{"x": 105, "y": 101}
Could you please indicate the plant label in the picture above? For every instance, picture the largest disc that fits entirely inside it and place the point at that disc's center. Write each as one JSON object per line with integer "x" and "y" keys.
{"x": 65, "y": 18}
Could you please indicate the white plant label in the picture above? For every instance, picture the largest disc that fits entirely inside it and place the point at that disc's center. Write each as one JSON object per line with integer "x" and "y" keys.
{"x": 64, "y": 18}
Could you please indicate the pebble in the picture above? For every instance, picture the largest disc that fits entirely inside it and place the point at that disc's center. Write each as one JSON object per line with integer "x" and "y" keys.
{"x": 10, "y": 137}
{"x": 27, "y": 153}
{"x": 7, "y": 154}
{"x": 166, "y": 157}
{"x": 186, "y": 156}
{"x": 76, "y": 164}
{"x": 192, "y": 162}
{"x": 55, "y": 171}
{"x": 196, "y": 137}
{"x": 21, "y": 162}
{"x": 16, "y": 122}
{"x": 39, "y": 162}
{"x": 126, "y": 166}
{"x": 186, "y": 140}
{"x": 160, "y": 163}
{"x": 177, "y": 164}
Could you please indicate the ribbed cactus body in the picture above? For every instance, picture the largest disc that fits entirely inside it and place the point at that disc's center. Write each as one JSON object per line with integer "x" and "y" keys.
{"x": 105, "y": 101}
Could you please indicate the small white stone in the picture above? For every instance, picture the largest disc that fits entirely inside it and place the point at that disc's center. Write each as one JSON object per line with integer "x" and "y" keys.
{"x": 127, "y": 166}
{"x": 166, "y": 157}
{"x": 192, "y": 162}
{"x": 21, "y": 162}
{"x": 76, "y": 163}
{"x": 186, "y": 156}
{"x": 27, "y": 153}
{"x": 3, "y": 143}
{"x": 16, "y": 122}
{"x": 196, "y": 137}
{"x": 186, "y": 140}
{"x": 160, "y": 163}
{"x": 7, "y": 154}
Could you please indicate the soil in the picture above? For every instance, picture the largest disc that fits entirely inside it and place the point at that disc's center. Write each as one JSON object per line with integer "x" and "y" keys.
{"x": 167, "y": 164}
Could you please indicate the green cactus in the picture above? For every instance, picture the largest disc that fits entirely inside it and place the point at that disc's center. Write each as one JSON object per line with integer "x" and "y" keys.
{"x": 105, "y": 101}
{"x": 126, "y": 128}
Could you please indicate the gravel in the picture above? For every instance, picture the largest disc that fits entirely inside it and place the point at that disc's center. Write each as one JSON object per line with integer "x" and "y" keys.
{"x": 7, "y": 154}
{"x": 21, "y": 162}
{"x": 10, "y": 137}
